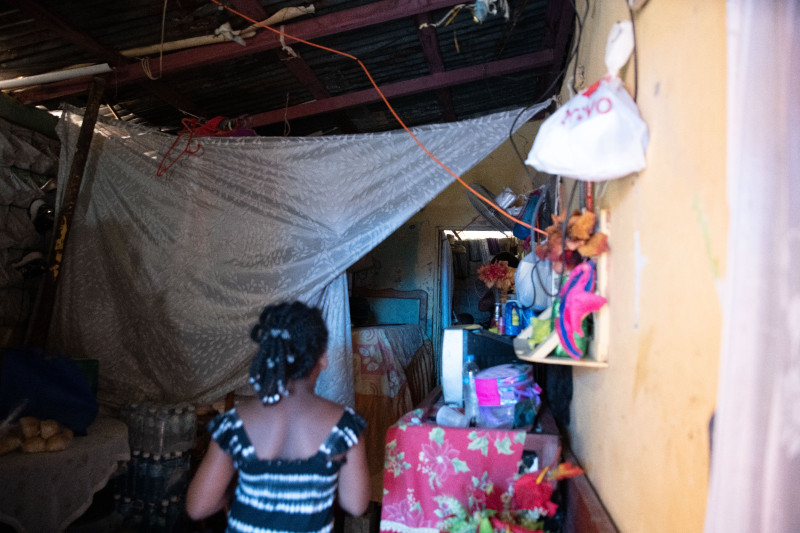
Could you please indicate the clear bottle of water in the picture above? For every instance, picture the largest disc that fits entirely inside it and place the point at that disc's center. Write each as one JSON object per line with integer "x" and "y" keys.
{"x": 149, "y": 437}
{"x": 142, "y": 474}
{"x": 175, "y": 429}
{"x": 151, "y": 517}
{"x": 135, "y": 429}
{"x": 125, "y": 507}
{"x": 175, "y": 477}
{"x": 471, "y": 410}
{"x": 161, "y": 440}
{"x": 163, "y": 516}
{"x": 186, "y": 472}
{"x": 188, "y": 431}
{"x": 132, "y": 475}
{"x": 155, "y": 478}
{"x": 174, "y": 513}
{"x": 117, "y": 501}
{"x": 137, "y": 519}
{"x": 120, "y": 477}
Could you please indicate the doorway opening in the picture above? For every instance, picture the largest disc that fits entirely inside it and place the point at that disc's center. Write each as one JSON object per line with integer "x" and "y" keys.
{"x": 471, "y": 301}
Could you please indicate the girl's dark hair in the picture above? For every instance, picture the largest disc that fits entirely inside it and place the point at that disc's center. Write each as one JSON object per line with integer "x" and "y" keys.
{"x": 291, "y": 338}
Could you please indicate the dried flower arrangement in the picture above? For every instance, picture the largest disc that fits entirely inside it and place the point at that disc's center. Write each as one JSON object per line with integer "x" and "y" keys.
{"x": 498, "y": 275}
{"x": 567, "y": 249}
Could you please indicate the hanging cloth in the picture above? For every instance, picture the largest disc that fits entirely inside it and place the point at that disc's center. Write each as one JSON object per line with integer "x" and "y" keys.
{"x": 164, "y": 277}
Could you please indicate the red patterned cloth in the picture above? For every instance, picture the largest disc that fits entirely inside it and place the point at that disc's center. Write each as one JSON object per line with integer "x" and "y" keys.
{"x": 425, "y": 461}
{"x": 379, "y": 356}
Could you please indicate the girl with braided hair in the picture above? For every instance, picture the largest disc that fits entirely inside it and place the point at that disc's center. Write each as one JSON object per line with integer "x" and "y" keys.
{"x": 290, "y": 447}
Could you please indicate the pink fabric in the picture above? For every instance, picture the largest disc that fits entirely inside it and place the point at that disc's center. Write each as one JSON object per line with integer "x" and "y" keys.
{"x": 504, "y": 384}
{"x": 425, "y": 461}
{"x": 377, "y": 365}
{"x": 488, "y": 393}
{"x": 577, "y": 301}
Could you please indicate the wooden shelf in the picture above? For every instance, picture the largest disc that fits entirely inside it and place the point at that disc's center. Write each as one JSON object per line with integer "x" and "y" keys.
{"x": 597, "y": 353}
{"x": 585, "y": 362}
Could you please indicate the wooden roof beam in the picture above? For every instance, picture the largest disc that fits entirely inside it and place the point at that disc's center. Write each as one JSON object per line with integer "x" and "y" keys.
{"x": 433, "y": 56}
{"x": 308, "y": 29}
{"x": 433, "y": 82}
{"x": 104, "y": 53}
{"x": 560, "y": 21}
{"x": 298, "y": 66}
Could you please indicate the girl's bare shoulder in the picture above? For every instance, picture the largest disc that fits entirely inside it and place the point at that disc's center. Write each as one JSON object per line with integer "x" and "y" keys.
{"x": 322, "y": 411}
{"x": 309, "y": 417}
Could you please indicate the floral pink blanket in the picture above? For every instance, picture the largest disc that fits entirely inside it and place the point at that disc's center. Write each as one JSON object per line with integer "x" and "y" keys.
{"x": 426, "y": 462}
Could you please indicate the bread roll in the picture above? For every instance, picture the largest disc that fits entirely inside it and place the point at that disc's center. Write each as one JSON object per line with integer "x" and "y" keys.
{"x": 48, "y": 428}
{"x": 56, "y": 443}
{"x": 30, "y": 427}
{"x": 9, "y": 443}
{"x": 33, "y": 445}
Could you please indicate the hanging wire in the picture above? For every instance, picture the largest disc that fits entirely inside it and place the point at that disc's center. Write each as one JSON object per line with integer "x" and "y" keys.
{"x": 287, "y": 128}
{"x": 446, "y": 19}
{"x": 635, "y": 55}
{"x": 556, "y": 79}
{"x": 388, "y": 106}
{"x": 564, "y": 236}
{"x": 145, "y": 61}
{"x": 578, "y": 41}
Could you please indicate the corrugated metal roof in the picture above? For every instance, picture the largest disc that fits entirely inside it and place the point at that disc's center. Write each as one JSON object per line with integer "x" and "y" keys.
{"x": 257, "y": 80}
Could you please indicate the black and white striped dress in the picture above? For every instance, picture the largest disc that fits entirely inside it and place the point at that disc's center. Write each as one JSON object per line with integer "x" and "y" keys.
{"x": 278, "y": 495}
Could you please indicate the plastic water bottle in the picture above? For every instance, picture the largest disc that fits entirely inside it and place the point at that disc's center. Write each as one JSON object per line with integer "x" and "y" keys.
{"x": 132, "y": 474}
{"x": 175, "y": 429}
{"x": 169, "y": 474}
{"x": 149, "y": 437}
{"x": 471, "y": 410}
{"x": 163, "y": 515}
{"x": 142, "y": 473}
{"x": 117, "y": 502}
{"x": 174, "y": 514}
{"x": 125, "y": 507}
{"x": 155, "y": 479}
{"x": 135, "y": 420}
{"x": 188, "y": 432}
{"x": 119, "y": 477}
{"x": 150, "y": 517}
{"x": 161, "y": 439}
{"x": 185, "y": 469}
{"x": 174, "y": 474}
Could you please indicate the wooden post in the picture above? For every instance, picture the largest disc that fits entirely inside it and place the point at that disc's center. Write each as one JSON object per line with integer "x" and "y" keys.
{"x": 39, "y": 325}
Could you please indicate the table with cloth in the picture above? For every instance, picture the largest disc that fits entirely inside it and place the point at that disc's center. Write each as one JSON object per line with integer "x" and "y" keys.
{"x": 425, "y": 461}
{"x": 45, "y": 492}
{"x": 393, "y": 371}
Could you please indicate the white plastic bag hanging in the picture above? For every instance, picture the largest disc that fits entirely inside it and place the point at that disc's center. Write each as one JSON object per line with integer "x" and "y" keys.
{"x": 599, "y": 134}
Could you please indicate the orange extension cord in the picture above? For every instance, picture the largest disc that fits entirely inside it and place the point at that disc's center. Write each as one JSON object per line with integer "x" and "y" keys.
{"x": 389, "y": 106}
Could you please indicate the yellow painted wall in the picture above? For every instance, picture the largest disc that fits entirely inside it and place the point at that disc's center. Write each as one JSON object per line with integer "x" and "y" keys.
{"x": 640, "y": 427}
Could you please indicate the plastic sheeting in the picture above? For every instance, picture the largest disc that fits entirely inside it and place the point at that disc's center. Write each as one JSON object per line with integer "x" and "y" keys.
{"x": 26, "y": 159}
{"x": 164, "y": 276}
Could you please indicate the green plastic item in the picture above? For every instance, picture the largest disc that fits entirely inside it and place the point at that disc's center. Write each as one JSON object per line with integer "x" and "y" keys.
{"x": 580, "y": 342}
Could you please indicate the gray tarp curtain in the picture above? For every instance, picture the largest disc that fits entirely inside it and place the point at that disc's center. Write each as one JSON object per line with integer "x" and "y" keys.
{"x": 164, "y": 276}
